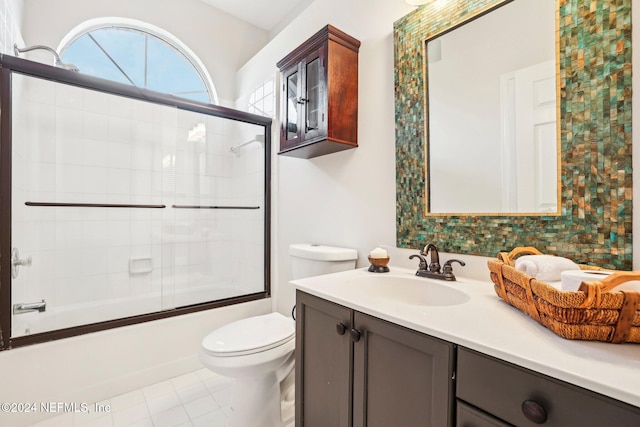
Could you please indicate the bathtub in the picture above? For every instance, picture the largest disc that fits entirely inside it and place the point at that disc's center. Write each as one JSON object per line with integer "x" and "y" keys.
{"x": 54, "y": 318}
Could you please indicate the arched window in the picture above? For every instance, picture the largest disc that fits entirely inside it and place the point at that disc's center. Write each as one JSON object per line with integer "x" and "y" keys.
{"x": 139, "y": 54}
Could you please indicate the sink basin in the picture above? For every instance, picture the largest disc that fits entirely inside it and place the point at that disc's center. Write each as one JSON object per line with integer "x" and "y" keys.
{"x": 408, "y": 290}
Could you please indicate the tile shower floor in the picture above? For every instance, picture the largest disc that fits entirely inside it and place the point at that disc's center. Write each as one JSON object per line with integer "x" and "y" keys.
{"x": 200, "y": 398}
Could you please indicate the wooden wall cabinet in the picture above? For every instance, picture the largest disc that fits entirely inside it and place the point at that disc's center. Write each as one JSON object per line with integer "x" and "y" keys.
{"x": 319, "y": 95}
{"x": 353, "y": 369}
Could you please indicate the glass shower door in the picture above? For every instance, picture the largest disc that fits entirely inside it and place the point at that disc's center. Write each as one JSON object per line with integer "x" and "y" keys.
{"x": 217, "y": 228}
{"x": 123, "y": 208}
{"x": 89, "y": 179}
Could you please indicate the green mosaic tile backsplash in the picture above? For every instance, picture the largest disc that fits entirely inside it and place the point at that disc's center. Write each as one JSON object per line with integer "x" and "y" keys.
{"x": 595, "y": 131}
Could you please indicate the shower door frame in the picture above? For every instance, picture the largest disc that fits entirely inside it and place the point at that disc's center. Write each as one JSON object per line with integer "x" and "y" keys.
{"x": 9, "y": 65}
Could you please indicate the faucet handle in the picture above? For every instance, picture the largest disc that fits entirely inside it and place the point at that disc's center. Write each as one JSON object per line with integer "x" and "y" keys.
{"x": 434, "y": 267}
{"x": 447, "y": 268}
{"x": 423, "y": 261}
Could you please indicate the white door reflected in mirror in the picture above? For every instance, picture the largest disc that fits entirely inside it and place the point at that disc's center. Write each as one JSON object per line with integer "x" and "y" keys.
{"x": 492, "y": 114}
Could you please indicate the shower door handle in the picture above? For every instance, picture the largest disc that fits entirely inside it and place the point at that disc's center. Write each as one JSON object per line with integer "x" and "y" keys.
{"x": 16, "y": 262}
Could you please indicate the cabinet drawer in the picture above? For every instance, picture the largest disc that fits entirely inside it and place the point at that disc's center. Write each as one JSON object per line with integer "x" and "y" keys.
{"x": 468, "y": 416}
{"x": 501, "y": 389}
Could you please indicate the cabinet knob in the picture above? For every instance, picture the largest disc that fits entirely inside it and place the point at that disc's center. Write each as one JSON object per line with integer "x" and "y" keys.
{"x": 355, "y": 335}
{"x": 341, "y": 328}
{"x": 534, "y": 412}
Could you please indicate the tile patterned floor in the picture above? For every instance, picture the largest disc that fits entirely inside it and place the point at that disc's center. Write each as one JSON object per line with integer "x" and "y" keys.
{"x": 197, "y": 399}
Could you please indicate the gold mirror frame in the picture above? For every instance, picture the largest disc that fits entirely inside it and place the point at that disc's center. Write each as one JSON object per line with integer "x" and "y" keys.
{"x": 594, "y": 225}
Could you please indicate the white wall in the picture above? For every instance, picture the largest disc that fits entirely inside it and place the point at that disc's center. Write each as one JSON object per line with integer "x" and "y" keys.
{"x": 346, "y": 198}
{"x": 10, "y": 18}
{"x": 222, "y": 42}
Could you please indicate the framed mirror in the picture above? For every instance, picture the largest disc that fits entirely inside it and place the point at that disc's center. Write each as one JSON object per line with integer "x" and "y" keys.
{"x": 492, "y": 136}
{"x": 592, "y": 224}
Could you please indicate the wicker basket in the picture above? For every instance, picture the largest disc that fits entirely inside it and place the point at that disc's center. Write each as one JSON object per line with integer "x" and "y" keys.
{"x": 592, "y": 313}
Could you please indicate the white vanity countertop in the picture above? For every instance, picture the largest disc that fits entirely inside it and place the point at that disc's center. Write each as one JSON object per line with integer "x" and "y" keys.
{"x": 491, "y": 326}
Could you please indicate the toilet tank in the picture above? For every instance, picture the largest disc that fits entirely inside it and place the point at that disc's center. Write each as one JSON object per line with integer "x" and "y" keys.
{"x": 313, "y": 260}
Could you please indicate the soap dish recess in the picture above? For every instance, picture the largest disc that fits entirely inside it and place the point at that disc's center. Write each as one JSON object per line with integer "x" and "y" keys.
{"x": 140, "y": 266}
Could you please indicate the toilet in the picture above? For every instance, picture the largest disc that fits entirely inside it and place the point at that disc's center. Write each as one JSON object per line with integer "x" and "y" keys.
{"x": 258, "y": 352}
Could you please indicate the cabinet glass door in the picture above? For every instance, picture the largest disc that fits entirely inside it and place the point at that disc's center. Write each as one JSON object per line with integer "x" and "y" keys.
{"x": 292, "y": 106}
{"x": 312, "y": 96}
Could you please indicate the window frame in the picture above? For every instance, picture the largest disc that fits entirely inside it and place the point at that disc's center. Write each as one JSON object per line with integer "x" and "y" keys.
{"x": 142, "y": 27}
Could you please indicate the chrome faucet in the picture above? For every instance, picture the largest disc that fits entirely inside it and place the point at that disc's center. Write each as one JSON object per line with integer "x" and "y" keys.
{"x": 28, "y": 307}
{"x": 433, "y": 269}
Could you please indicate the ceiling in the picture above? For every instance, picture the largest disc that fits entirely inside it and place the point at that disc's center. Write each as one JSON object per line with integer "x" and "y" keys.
{"x": 266, "y": 14}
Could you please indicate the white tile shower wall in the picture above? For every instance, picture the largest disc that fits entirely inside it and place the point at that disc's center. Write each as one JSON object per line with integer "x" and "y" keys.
{"x": 248, "y": 178}
{"x": 10, "y": 17}
{"x": 86, "y": 147}
{"x": 208, "y": 173}
{"x": 81, "y": 255}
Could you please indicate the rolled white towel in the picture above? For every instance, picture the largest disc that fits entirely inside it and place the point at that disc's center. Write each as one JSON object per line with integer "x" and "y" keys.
{"x": 546, "y": 268}
{"x": 557, "y": 285}
{"x": 571, "y": 280}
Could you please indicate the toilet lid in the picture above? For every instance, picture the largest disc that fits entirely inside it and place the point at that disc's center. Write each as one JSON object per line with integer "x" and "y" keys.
{"x": 251, "y": 335}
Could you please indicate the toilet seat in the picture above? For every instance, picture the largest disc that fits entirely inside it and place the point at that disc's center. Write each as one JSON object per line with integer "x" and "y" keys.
{"x": 249, "y": 336}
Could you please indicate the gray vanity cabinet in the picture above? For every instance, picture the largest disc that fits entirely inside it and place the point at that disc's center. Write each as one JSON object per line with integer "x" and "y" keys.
{"x": 323, "y": 363}
{"x": 400, "y": 377}
{"x": 353, "y": 369}
{"x": 492, "y": 392}
{"x": 468, "y": 416}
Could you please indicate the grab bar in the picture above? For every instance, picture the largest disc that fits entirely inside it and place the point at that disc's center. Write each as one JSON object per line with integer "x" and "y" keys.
{"x": 28, "y": 307}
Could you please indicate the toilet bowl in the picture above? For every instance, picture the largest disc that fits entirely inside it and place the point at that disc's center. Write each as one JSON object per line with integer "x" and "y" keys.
{"x": 258, "y": 353}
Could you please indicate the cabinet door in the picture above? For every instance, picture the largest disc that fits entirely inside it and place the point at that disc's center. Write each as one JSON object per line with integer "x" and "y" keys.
{"x": 315, "y": 95}
{"x": 401, "y": 377}
{"x": 323, "y": 363}
{"x": 290, "y": 132}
